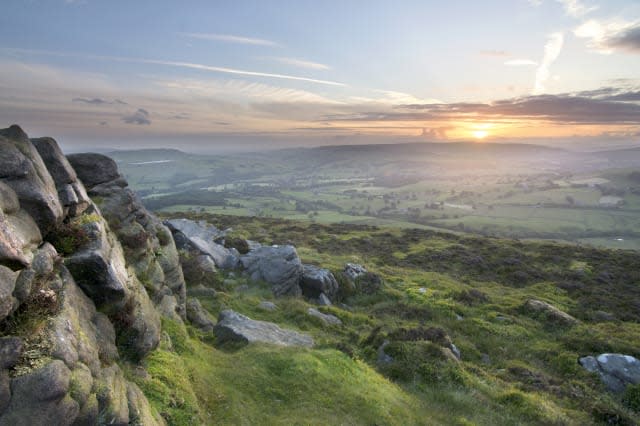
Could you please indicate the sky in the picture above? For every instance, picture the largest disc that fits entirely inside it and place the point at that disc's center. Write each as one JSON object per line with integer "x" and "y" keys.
{"x": 250, "y": 75}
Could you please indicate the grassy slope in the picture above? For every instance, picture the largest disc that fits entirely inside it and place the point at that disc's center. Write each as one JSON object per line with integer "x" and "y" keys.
{"x": 515, "y": 369}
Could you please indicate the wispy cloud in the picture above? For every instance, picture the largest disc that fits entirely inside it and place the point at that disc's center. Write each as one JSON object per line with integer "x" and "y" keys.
{"x": 576, "y": 8}
{"x": 202, "y": 67}
{"x": 552, "y": 50}
{"x": 301, "y": 63}
{"x": 229, "y": 38}
{"x": 495, "y": 53}
{"x": 520, "y": 63}
{"x": 99, "y": 101}
{"x": 608, "y": 36}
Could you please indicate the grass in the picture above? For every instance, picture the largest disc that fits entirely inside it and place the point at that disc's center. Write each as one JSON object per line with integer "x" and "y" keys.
{"x": 515, "y": 368}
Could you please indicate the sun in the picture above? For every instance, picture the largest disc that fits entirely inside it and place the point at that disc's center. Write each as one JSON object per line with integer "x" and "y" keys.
{"x": 480, "y": 134}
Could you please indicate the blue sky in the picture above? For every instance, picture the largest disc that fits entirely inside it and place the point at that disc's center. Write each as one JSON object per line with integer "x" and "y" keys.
{"x": 262, "y": 74}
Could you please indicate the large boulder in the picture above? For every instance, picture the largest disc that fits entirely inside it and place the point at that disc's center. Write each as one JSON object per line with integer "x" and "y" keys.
{"x": 71, "y": 192}
{"x": 616, "y": 370}
{"x": 94, "y": 169}
{"x": 233, "y": 327}
{"x": 22, "y": 168}
{"x": 317, "y": 281}
{"x": 279, "y": 266}
{"x": 205, "y": 239}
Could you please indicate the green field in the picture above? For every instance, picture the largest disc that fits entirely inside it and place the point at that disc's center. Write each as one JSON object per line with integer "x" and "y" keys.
{"x": 517, "y": 199}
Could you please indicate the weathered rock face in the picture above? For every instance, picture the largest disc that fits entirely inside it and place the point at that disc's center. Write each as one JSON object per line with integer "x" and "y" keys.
{"x": 318, "y": 281}
{"x": 279, "y": 266}
{"x": 548, "y": 313}
{"x": 233, "y": 327}
{"x": 71, "y": 192}
{"x": 74, "y": 377}
{"x": 19, "y": 234}
{"x": 616, "y": 370}
{"x": 99, "y": 268}
{"x": 148, "y": 245}
{"x": 22, "y": 169}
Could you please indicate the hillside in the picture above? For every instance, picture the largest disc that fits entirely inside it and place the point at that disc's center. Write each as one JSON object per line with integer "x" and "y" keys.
{"x": 112, "y": 314}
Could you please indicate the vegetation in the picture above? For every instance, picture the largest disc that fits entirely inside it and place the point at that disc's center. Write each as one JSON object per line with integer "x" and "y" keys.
{"x": 437, "y": 289}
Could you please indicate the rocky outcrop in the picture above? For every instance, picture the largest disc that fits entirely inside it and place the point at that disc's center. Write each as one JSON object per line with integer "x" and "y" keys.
{"x": 64, "y": 368}
{"x": 148, "y": 245}
{"x": 547, "y": 313}
{"x": 317, "y": 282}
{"x": 233, "y": 327}
{"x": 71, "y": 193}
{"x": 24, "y": 171}
{"x": 616, "y": 370}
{"x": 278, "y": 266}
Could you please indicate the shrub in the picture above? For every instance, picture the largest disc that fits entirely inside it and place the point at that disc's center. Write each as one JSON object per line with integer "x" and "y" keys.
{"x": 68, "y": 238}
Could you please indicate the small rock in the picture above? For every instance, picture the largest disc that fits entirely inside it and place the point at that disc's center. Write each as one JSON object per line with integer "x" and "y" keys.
{"x": 326, "y": 318}
{"x": 267, "y": 306}
{"x": 615, "y": 370}
{"x": 198, "y": 316}
{"x": 383, "y": 358}
{"x": 316, "y": 281}
{"x": 323, "y": 300}
{"x": 548, "y": 312}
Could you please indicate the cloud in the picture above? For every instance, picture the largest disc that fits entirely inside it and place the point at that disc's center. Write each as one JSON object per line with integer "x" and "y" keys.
{"x": 551, "y": 52}
{"x": 140, "y": 117}
{"x": 98, "y": 101}
{"x": 228, "y": 38}
{"x": 495, "y": 53}
{"x": 576, "y": 8}
{"x": 189, "y": 65}
{"x": 602, "y": 106}
{"x": 520, "y": 63}
{"x": 302, "y": 63}
{"x": 607, "y": 36}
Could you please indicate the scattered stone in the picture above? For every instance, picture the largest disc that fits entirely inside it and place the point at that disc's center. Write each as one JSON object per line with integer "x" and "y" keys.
{"x": 279, "y": 266}
{"x": 234, "y": 327}
{"x": 323, "y": 300}
{"x": 267, "y": 306}
{"x": 201, "y": 237}
{"x": 353, "y": 271}
{"x": 548, "y": 312}
{"x": 383, "y": 358}
{"x": 198, "y": 316}
{"x": 422, "y": 290}
{"x": 326, "y": 318}
{"x": 201, "y": 291}
{"x": 616, "y": 370}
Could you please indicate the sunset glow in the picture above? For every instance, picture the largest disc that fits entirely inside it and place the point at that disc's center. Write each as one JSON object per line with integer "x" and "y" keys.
{"x": 560, "y": 71}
